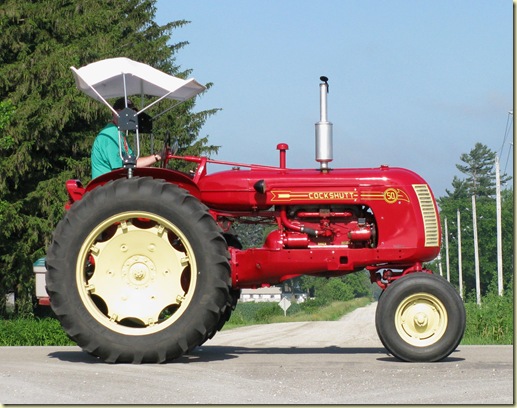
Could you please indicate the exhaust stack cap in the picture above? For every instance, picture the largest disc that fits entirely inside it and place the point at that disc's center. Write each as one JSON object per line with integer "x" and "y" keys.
{"x": 323, "y": 129}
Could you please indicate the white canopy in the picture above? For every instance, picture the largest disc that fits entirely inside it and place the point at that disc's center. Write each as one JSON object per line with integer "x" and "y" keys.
{"x": 118, "y": 77}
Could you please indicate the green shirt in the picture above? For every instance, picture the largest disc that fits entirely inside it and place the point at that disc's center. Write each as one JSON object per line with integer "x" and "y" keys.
{"x": 105, "y": 152}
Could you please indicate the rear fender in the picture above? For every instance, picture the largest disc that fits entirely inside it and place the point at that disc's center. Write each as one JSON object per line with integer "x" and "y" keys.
{"x": 76, "y": 190}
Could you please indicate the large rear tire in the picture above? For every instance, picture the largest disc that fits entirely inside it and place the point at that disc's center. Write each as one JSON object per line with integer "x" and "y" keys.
{"x": 420, "y": 317}
{"x": 235, "y": 294}
{"x": 138, "y": 272}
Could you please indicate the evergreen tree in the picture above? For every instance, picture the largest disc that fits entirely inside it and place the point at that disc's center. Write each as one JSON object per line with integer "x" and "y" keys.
{"x": 48, "y": 139}
{"x": 479, "y": 181}
{"x": 480, "y": 174}
{"x": 6, "y": 113}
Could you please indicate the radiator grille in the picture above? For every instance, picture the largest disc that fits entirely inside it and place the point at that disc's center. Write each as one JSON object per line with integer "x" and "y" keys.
{"x": 431, "y": 228}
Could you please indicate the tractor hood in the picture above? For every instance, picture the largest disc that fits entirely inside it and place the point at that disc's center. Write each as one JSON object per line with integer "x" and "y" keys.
{"x": 260, "y": 189}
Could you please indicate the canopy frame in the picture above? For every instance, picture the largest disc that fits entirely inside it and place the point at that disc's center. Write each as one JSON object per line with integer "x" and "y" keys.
{"x": 100, "y": 80}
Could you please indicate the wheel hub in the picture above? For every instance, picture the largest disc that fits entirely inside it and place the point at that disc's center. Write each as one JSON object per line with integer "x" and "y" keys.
{"x": 139, "y": 271}
{"x": 421, "y": 319}
{"x": 139, "y": 277}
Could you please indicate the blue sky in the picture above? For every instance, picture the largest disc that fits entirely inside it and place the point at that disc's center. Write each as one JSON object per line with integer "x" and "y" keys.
{"x": 413, "y": 83}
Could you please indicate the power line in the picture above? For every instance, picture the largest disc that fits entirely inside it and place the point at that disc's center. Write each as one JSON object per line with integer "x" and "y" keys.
{"x": 508, "y": 157}
{"x": 506, "y": 131}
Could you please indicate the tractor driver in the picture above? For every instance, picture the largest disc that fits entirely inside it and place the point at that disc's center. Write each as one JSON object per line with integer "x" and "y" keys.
{"x": 105, "y": 155}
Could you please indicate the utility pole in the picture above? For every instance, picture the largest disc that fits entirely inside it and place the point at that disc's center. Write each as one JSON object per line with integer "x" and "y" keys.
{"x": 460, "y": 272}
{"x": 476, "y": 250}
{"x": 447, "y": 251}
{"x": 499, "y": 232}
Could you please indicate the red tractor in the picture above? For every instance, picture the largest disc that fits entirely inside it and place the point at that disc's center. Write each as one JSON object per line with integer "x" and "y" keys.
{"x": 144, "y": 266}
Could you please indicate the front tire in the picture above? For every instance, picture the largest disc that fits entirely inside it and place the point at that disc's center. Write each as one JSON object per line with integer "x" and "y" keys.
{"x": 138, "y": 272}
{"x": 420, "y": 317}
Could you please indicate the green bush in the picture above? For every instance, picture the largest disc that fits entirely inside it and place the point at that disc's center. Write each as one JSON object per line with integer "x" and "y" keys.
{"x": 255, "y": 313}
{"x": 491, "y": 322}
{"x": 267, "y": 311}
{"x": 336, "y": 289}
{"x": 33, "y": 332}
{"x": 312, "y": 305}
{"x": 343, "y": 288}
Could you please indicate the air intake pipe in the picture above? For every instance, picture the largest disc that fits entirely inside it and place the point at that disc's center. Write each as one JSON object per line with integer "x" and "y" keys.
{"x": 323, "y": 130}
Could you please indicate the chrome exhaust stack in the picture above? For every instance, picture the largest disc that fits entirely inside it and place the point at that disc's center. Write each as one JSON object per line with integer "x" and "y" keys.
{"x": 323, "y": 130}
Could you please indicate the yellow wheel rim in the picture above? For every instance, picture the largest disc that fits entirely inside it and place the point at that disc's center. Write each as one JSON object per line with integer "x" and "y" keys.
{"x": 136, "y": 273}
{"x": 421, "y": 319}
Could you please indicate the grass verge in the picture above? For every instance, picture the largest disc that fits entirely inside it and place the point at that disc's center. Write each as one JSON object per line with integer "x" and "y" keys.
{"x": 33, "y": 332}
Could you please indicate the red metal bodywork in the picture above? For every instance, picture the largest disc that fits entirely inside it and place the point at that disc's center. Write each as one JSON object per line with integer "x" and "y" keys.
{"x": 329, "y": 223}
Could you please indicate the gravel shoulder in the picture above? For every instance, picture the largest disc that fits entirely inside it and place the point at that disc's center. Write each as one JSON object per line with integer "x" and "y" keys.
{"x": 354, "y": 329}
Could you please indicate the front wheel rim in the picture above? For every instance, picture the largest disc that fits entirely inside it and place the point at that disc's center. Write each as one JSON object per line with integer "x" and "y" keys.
{"x": 421, "y": 319}
{"x": 136, "y": 273}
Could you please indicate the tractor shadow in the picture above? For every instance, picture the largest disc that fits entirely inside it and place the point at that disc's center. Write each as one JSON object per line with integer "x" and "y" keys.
{"x": 207, "y": 354}
{"x": 219, "y": 353}
{"x": 212, "y": 353}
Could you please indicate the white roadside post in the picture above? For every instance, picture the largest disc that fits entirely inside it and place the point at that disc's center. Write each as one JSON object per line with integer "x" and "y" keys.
{"x": 476, "y": 250}
{"x": 460, "y": 272}
{"x": 447, "y": 251}
{"x": 499, "y": 231}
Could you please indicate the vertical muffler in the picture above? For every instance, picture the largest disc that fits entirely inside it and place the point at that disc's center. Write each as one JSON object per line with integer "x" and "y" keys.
{"x": 323, "y": 130}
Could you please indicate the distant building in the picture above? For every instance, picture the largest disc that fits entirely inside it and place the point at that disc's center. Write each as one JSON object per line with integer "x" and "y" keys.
{"x": 271, "y": 294}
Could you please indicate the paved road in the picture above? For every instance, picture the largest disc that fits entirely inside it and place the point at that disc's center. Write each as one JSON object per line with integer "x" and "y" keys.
{"x": 288, "y": 363}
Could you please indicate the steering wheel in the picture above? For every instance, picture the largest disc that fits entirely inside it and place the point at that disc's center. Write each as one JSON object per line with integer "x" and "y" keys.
{"x": 166, "y": 151}
{"x": 165, "y": 155}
